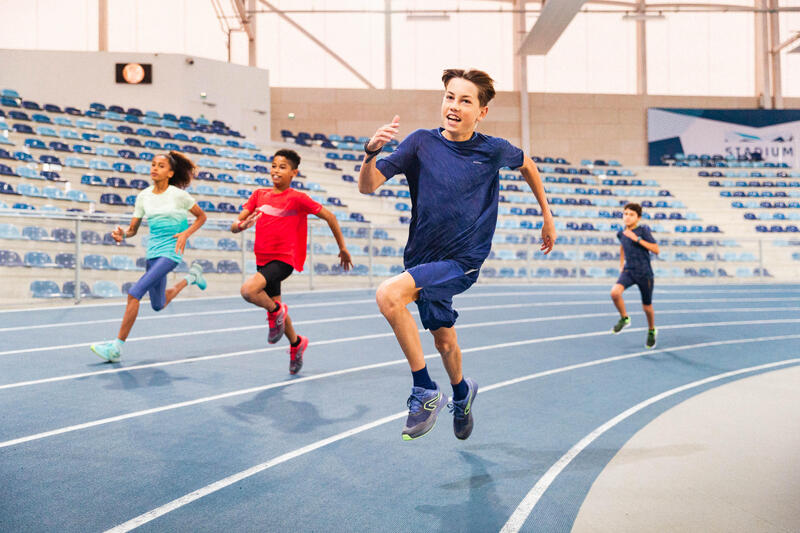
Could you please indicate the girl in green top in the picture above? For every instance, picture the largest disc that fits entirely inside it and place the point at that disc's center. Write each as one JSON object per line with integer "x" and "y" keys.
{"x": 165, "y": 205}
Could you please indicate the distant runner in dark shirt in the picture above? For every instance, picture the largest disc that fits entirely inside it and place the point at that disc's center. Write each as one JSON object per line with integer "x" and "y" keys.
{"x": 636, "y": 243}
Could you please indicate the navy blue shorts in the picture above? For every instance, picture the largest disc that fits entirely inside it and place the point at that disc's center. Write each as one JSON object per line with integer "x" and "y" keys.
{"x": 154, "y": 281}
{"x": 438, "y": 283}
{"x": 644, "y": 282}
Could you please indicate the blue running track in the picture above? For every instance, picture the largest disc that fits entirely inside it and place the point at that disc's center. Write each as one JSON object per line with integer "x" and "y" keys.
{"x": 201, "y": 428}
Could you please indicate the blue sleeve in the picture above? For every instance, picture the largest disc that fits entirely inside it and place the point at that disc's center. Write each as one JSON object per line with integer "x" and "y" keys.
{"x": 510, "y": 156}
{"x": 402, "y": 160}
{"x": 647, "y": 235}
{"x": 619, "y": 236}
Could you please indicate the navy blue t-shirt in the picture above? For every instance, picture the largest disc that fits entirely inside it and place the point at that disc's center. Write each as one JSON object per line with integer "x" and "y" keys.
{"x": 454, "y": 190}
{"x": 637, "y": 257}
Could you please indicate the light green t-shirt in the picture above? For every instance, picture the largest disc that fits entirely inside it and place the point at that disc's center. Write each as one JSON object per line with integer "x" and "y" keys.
{"x": 166, "y": 214}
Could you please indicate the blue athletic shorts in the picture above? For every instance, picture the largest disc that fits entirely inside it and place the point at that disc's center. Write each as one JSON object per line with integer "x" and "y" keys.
{"x": 438, "y": 283}
{"x": 154, "y": 281}
{"x": 644, "y": 282}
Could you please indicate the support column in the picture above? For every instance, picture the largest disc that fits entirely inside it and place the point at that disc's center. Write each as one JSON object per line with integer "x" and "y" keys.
{"x": 775, "y": 56}
{"x": 102, "y": 25}
{"x": 762, "y": 56}
{"x": 641, "y": 52}
{"x": 251, "y": 33}
{"x": 387, "y": 47}
{"x": 521, "y": 76}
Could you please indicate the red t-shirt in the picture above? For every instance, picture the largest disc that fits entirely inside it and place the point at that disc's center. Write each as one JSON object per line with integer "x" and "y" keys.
{"x": 282, "y": 228}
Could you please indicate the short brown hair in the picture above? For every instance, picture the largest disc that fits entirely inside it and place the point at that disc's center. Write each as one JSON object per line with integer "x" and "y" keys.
{"x": 482, "y": 81}
{"x": 636, "y": 208}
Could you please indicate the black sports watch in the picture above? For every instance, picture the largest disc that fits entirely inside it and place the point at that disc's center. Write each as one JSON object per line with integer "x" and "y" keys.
{"x": 371, "y": 152}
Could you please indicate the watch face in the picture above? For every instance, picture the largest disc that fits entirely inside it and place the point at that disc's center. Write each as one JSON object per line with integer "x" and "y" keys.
{"x": 133, "y": 73}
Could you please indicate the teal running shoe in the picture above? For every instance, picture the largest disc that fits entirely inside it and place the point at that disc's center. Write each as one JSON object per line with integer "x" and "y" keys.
{"x": 622, "y": 324}
{"x": 423, "y": 408}
{"x": 651, "y": 338}
{"x": 195, "y": 276}
{"x": 462, "y": 411}
{"x": 107, "y": 351}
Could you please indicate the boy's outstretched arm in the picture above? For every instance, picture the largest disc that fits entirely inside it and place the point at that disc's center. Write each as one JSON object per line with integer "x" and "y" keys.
{"x": 344, "y": 255}
{"x": 531, "y": 175}
{"x": 370, "y": 178}
{"x": 245, "y": 220}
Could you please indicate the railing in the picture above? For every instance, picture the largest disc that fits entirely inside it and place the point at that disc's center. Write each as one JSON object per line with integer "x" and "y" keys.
{"x": 76, "y": 256}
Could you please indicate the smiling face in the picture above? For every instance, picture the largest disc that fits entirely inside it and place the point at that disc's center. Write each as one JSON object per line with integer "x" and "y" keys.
{"x": 630, "y": 218}
{"x": 282, "y": 172}
{"x": 160, "y": 169}
{"x": 461, "y": 109}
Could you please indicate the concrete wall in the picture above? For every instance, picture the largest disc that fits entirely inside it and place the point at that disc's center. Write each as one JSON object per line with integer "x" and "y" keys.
{"x": 575, "y": 126}
{"x": 238, "y": 95}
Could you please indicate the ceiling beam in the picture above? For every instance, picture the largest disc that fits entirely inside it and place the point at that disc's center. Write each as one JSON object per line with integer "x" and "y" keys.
{"x": 553, "y": 20}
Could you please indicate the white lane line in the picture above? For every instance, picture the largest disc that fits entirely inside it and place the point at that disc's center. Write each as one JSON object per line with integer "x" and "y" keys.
{"x": 523, "y": 510}
{"x": 221, "y": 484}
{"x": 168, "y": 316}
{"x": 502, "y": 306}
{"x": 375, "y": 336}
{"x": 337, "y": 303}
{"x": 248, "y": 309}
{"x": 230, "y": 480}
{"x": 122, "y": 303}
{"x": 198, "y": 401}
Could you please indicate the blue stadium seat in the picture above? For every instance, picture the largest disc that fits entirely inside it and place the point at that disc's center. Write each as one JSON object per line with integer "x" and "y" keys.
{"x": 96, "y": 262}
{"x": 228, "y": 244}
{"x": 68, "y": 289}
{"x": 111, "y": 199}
{"x": 9, "y": 231}
{"x": 10, "y": 258}
{"x": 45, "y": 289}
{"x": 207, "y": 206}
{"x": 106, "y": 289}
{"x": 228, "y": 266}
{"x": 39, "y": 260}
{"x": 91, "y": 237}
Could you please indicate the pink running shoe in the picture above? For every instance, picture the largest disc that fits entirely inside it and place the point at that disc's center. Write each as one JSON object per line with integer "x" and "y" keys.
{"x": 296, "y": 355}
{"x": 277, "y": 323}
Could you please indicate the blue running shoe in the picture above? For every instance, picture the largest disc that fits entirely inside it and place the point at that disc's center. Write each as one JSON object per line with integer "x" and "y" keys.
{"x": 195, "y": 276}
{"x": 107, "y": 351}
{"x": 462, "y": 411}
{"x": 423, "y": 408}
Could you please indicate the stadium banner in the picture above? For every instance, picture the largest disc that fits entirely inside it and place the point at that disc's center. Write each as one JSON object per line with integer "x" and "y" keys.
{"x": 770, "y": 135}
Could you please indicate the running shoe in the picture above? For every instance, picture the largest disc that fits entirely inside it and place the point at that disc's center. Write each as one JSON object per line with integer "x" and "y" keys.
{"x": 277, "y": 323}
{"x": 423, "y": 408}
{"x": 296, "y": 355}
{"x": 462, "y": 411}
{"x": 622, "y": 324}
{"x": 107, "y": 351}
{"x": 195, "y": 276}
{"x": 651, "y": 338}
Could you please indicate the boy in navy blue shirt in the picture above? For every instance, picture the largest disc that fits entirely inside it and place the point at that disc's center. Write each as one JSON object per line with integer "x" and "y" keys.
{"x": 636, "y": 243}
{"x": 453, "y": 178}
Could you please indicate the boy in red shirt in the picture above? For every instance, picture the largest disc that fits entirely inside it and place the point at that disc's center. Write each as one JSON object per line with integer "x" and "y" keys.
{"x": 280, "y": 215}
